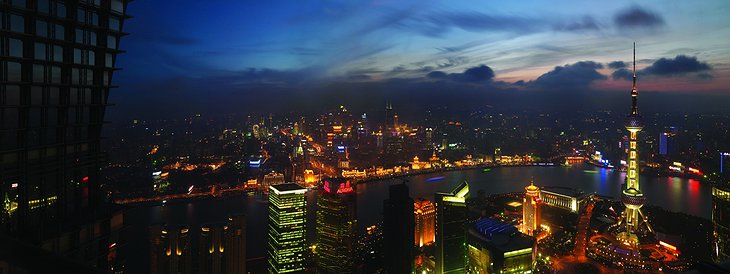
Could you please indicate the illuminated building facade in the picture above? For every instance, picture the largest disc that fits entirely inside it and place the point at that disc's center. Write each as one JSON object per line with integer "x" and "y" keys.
{"x": 235, "y": 245}
{"x": 568, "y": 201}
{"x": 451, "y": 216}
{"x": 287, "y": 228}
{"x": 56, "y": 65}
{"x": 336, "y": 227}
{"x": 170, "y": 250}
{"x": 632, "y": 197}
{"x": 425, "y": 220}
{"x": 496, "y": 247}
{"x": 721, "y": 223}
{"x": 222, "y": 247}
{"x": 531, "y": 204}
{"x": 398, "y": 230}
{"x": 211, "y": 248}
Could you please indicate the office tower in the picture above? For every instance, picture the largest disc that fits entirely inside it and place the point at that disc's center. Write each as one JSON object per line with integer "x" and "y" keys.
{"x": 170, "y": 250}
{"x": 211, "y": 248}
{"x": 234, "y": 258}
{"x": 451, "y": 217}
{"x": 287, "y": 228}
{"x": 425, "y": 220}
{"x": 56, "y": 64}
{"x": 632, "y": 197}
{"x": 429, "y": 138}
{"x": 398, "y": 230}
{"x": 389, "y": 118}
{"x": 721, "y": 223}
{"x": 531, "y": 204}
{"x": 496, "y": 247}
{"x": 336, "y": 227}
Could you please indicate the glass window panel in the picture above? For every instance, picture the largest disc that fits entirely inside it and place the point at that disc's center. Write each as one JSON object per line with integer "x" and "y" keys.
{"x": 114, "y": 24}
{"x": 19, "y": 3}
{"x": 60, "y": 10}
{"x": 81, "y": 15}
{"x": 73, "y": 96}
{"x": 92, "y": 58}
{"x": 40, "y": 51}
{"x": 117, "y": 6}
{"x": 43, "y": 6}
{"x": 60, "y": 32}
{"x": 57, "y": 53}
{"x": 16, "y": 47}
{"x": 94, "y": 19}
{"x": 75, "y": 76}
{"x": 53, "y": 95}
{"x": 38, "y": 73}
{"x": 79, "y": 36}
{"x": 36, "y": 95}
{"x": 56, "y": 75}
{"x": 109, "y": 61}
{"x": 41, "y": 28}
{"x": 17, "y": 24}
{"x": 111, "y": 42}
{"x": 13, "y": 71}
{"x": 93, "y": 38}
{"x": 12, "y": 95}
{"x": 77, "y": 56}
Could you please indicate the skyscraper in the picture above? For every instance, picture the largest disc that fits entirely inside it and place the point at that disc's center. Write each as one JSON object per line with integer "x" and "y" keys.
{"x": 451, "y": 218}
{"x": 287, "y": 228}
{"x": 398, "y": 230}
{"x": 425, "y": 220}
{"x": 56, "y": 65}
{"x": 235, "y": 245}
{"x": 721, "y": 223}
{"x": 211, "y": 248}
{"x": 496, "y": 247}
{"x": 531, "y": 204}
{"x": 336, "y": 226}
{"x": 170, "y": 250}
{"x": 632, "y": 197}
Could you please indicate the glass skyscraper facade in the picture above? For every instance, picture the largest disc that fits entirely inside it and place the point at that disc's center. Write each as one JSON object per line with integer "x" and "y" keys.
{"x": 287, "y": 228}
{"x": 56, "y": 64}
{"x": 451, "y": 218}
{"x": 721, "y": 223}
{"x": 336, "y": 226}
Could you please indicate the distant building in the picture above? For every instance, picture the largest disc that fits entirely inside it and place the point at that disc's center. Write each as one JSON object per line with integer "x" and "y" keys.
{"x": 531, "y": 210}
{"x": 451, "y": 217}
{"x": 398, "y": 230}
{"x": 272, "y": 178}
{"x": 336, "y": 227}
{"x": 425, "y": 221}
{"x": 496, "y": 247}
{"x": 287, "y": 228}
{"x": 565, "y": 199}
{"x": 170, "y": 250}
{"x": 721, "y": 223}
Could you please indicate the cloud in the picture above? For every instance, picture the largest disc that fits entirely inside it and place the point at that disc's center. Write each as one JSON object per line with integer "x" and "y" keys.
{"x": 587, "y": 23}
{"x": 617, "y": 65}
{"x": 637, "y": 18}
{"x": 579, "y": 75}
{"x": 478, "y": 74}
{"x": 670, "y": 67}
{"x": 681, "y": 64}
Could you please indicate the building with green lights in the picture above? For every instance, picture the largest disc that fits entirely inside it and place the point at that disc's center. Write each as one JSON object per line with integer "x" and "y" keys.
{"x": 496, "y": 247}
{"x": 721, "y": 223}
{"x": 451, "y": 218}
{"x": 287, "y": 228}
{"x": 336, "y": 225}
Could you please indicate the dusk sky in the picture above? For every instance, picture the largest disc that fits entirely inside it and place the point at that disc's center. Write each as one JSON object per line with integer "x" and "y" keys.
{"x": 241, "y": 46}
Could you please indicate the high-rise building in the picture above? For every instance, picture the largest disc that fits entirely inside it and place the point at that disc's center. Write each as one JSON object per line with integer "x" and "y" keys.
{"x": 531, "y": 204}
{"x": 211, "y": 248}
{"x": 287, "y": 228}
{"x": 170, "y": 250}
{"x": 632, "y": 197}
{"x": 451, "y": 218}
{"x": 496, "y": 247}
{"x": 336, "y": 227}
{"x": 425, "y": 220}
{"x": 398, "y": 230}
{"x": 234, "y": 258}
{"x": 721, "y": 223}
{"x": 222, "y": 247}
{"x": 56, "y": 64}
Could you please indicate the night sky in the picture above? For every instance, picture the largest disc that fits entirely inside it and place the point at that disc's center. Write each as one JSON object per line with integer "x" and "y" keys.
{"x": 242, "y": 55}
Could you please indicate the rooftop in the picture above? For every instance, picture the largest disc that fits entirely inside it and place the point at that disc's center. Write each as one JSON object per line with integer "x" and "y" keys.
{"x": 288, "y": 187}
{"x": 494, "y": 234}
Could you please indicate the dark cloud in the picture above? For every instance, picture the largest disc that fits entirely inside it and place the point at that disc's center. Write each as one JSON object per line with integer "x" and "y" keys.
{"x": 681, "y": 64}
{"x": 478, "y": 74}
{"x": 622, "y": 73}
{"x": 570, "y": 77}
{"x": 669, "y": 67}
{"x": 705, "y": 76}
{"x": 587, "y": 23}
{"x": 617, "y": 64}
{"x": 637, "y": 18}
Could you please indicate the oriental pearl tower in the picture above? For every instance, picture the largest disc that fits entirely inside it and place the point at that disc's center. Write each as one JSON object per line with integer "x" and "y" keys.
{"x": 632, "y": 218}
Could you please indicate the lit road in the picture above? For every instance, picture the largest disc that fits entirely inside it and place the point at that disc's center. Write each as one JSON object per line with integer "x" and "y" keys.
{"x": 582, "y": 236}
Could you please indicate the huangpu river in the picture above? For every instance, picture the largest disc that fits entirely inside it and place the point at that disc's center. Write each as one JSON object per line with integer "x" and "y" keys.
{"x": 674, "y": 194}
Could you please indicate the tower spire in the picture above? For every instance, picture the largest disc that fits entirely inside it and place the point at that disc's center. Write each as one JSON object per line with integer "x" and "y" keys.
{"x": 634, "y": 91}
